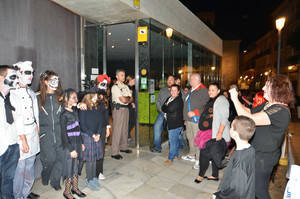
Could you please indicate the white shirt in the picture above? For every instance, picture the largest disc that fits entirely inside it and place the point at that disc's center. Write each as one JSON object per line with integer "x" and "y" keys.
{"x": 26, "y": 118}
{"x": 8, "y": 134}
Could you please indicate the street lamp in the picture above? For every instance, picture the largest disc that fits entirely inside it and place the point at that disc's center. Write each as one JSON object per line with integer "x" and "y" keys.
{"x": 279, "y": 25}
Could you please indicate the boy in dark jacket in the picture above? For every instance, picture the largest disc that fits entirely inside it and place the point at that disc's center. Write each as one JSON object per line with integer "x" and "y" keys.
{"x": 239, "y": 177}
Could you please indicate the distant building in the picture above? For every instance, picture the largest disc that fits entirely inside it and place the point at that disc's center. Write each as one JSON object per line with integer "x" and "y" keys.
{"x": 260, "y": 58}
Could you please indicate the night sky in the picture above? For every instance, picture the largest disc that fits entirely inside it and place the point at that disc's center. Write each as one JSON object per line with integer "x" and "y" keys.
{"x": 246, "y": 20}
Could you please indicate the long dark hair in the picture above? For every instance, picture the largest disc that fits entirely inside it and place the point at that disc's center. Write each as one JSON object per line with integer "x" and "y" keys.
{"x": 42, "y": 88}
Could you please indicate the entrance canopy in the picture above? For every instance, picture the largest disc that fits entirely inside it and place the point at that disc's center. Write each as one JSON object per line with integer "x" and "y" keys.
{"x": 169, "y": 12}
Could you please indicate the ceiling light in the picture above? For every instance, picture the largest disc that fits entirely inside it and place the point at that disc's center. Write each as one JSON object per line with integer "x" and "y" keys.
{"x": 128, "y": 39}
{"x": 109, "y": 33}
{"x": 112, "y": 46}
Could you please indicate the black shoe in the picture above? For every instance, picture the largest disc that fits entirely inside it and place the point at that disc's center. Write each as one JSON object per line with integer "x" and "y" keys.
{"x": 68, "y": 197}
{"x": 56, "y": 187}
{"x": 197, "y": 181}
{"x": 33, "y": 196}
{"x": 154, "y": 150}
{"x": 45, "y": 182}
{"x": 214, "y": 178}
{"x": 126, "y": 151}
{"x": 80, "y": 195}
{"x": 117, "y": 157}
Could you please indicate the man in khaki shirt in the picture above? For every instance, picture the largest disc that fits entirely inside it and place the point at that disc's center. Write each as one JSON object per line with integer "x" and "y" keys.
{"x": 121, "y": 97}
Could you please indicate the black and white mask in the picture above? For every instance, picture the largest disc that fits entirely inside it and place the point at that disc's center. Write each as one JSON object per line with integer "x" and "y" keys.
{"x": 25, "y": 72}
{"x": 103, "y": 85}
{"x": 53, "y": 82}
{"x": 10, "y": 81}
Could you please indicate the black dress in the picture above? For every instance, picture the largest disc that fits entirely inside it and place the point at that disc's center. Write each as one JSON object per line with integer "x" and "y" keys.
{"x": 71, "y": 141}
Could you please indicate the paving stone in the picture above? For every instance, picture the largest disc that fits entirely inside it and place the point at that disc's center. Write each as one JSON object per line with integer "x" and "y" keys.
{"x": 184, "y": 191}
{"x": 161, "y": 183}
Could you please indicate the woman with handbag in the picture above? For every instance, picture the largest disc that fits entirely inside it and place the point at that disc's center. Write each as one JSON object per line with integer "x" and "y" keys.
{"x": 216, "y": 117}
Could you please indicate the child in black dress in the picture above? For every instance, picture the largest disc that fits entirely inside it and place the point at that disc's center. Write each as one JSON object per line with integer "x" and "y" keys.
{"x": 72, "y": 144}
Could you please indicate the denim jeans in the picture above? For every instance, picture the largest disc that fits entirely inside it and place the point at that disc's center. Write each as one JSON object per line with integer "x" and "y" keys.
{"x": 8, "y": 165}
{"x": 174, "y": 142}
{"x": 24, "y": 177}
{"x": 158, "y": 128}
{"x": 181, "y": 139}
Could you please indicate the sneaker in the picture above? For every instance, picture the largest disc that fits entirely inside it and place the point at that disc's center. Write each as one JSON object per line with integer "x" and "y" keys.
{"x": 91, "y": 185}
{"x": 196, "y": 165}
{"x": 96, "y": 182}
{"x": 189, "y": 158}
{"x": 101, "y": 176}
{"x": 176, "y": 158}
{"x": 168, "y": 162}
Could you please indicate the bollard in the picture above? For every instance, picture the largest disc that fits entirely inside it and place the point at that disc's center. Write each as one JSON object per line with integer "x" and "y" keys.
{"x": 283, "y": 159}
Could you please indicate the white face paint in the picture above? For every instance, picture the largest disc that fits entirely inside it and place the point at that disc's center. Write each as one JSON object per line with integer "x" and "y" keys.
{"x": 10, "y": 81}
{"x": 25, "y": 72}
{"x": 103, "y": 85}
{"x": 53, "y": 82}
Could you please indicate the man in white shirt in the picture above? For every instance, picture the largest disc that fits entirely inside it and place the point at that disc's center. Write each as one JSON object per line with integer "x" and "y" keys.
{"x": 26, "y": 118}
{"x": 9, "y": 148}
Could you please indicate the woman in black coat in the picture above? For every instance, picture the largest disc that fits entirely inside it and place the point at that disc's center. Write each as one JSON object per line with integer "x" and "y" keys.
{"x": 173, "y": 109}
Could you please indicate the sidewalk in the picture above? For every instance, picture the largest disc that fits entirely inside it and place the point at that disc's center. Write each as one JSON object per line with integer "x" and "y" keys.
{"x": 142, "y": 175}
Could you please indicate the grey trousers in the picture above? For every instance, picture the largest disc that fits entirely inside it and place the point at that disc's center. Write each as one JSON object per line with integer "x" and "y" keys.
{"x": 191, "y": 131}
{"x": 120, "y": 130}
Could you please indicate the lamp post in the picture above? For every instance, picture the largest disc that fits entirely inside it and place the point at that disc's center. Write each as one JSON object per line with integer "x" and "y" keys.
{"x": 279, "y": 25}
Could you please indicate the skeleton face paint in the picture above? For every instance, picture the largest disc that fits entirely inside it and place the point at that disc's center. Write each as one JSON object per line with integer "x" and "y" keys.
{"x": 53, "y": 82}
{"x": 25, "y": 72}
{"x": 10, "y": 81}
{"x": 103, "y": 84}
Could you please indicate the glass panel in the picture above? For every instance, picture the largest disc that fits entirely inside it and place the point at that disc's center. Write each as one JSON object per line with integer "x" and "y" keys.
{"x": 93, "y": 51}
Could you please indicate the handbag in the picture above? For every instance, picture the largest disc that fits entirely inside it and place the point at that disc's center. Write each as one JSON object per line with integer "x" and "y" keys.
{"x": 202, "y": 137}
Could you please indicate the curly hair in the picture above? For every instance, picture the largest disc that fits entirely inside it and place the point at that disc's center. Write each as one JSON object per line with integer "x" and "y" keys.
{"x": 281, "y": 89}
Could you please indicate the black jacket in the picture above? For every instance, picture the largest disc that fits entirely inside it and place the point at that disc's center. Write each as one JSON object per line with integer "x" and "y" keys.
{"x": 174, "y": 112}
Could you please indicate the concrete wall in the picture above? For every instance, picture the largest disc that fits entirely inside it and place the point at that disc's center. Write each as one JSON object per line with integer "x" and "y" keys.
{"x": 230, "y": 62}
{"x": 43, "y": 32}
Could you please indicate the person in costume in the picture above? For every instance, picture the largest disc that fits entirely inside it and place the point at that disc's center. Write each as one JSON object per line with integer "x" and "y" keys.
{"x": 51, "y": 152}
{"x": 26, "y": 117}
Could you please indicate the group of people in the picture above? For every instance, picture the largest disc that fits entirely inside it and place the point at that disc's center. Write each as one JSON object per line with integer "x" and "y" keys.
{"x": 51, "y": 126}
{"x": 66, "y": 128}
{"x": 211, "y": 119}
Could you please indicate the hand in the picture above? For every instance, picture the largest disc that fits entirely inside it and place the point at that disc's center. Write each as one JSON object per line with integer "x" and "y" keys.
{"x": 74, "y": 154}
{"x": 82, "y": 106}
{"x": 96, "y": 138}
{"x": 107, "y": 132}
{"x": 191, "y": 114}
{"x": 219, "y": 137}
{"x": 25, "y": 147}
{"x": 233, "y": 93}
{"x": 83, "y": 147}
{"x": 133, "y": 105}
